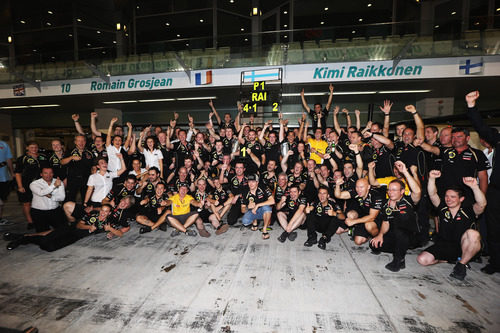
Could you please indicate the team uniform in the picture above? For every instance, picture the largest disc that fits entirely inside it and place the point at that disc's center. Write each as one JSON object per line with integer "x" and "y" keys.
{"x": 372, "y": 201}
{"x": 447, "y": 245}
{"x": 260, "y": 195}
{"x": 318, "y": 220}
{"x": 30, "y": 168}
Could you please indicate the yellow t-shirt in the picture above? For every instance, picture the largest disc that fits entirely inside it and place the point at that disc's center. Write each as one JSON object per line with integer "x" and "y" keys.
{"x": 386, "y": 180}
{"x": 320, "y": 146}
{"x": 180, "y": 207}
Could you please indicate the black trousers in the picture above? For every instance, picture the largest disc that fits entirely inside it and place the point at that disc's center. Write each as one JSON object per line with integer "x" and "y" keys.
{"x": 396, "y": 241}
{"x": 327, "y": 225}
{"x": 76, "y": 184}
{"x": 492, "y": 215}
{"x": 57, "y": 239}
{"x": 44, "y": 219}
{"x": 424, "y": 208}
{"x": 234, "y": 213}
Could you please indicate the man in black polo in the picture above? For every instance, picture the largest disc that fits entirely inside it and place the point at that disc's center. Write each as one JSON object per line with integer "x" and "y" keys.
{"x": 493, "y": 194}
{"x": 457, "y": 239}
{"x": 323, "y": 215}
{"x": 79, "y": 162}
{"x": 317, "y": 113}
{"x": 462, "y": 161}
{"x": 237, "y": 186}
{"x": 399, "y": 220}
{"x": 365, "y": 210}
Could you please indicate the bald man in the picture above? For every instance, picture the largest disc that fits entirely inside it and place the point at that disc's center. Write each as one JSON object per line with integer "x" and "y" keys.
{"x": 363, "y": 217}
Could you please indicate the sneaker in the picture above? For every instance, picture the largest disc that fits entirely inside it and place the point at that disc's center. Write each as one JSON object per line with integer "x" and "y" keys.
{"x": 175, "y": 233}
{"x": 5, "y": 222}
{"x": 310, "y": 242}
{"x": 203, "y": 233}
{"x": 395, "y": 265}
{"x": 163, "y": 227}
{"x": 282, "y": 238}
{"x": 15, "y": 243}
{"x": 145, "y": 229}
{"x": 292, "y": 236}
{"x": 490, "y": 269}
{"x": 322, "y": 243}
{"x": 222, "y": 229}
{"x": 459, "y": 271}
{"x": 191, "y": 232}
{"x": 10, "y": 236}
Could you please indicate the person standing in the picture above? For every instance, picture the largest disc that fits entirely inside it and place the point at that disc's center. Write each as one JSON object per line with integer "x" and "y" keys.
{"x": 48, "y": 192}
{"x": 28, "y": 168}
{"x": 6, "y": 167}
{"x": 493, "y": 191}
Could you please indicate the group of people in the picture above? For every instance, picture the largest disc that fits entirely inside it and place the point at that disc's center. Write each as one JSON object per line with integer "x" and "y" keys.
{"x": 382, "y": 189}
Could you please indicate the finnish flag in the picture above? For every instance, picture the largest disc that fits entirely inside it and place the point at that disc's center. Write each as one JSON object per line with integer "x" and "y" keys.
{"x": 471, "y": 66}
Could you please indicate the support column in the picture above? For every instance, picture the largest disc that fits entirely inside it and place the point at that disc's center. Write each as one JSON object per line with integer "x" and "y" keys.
{"x": 426, "y": 18}
{"x": 104, "y": 117}
{"x": 290, "y": 24}
{"x": 256, "y": 29}
{"x": 214, "y": 24}
{"x": 465, "y": 14}
{"x": 491, "y": 14}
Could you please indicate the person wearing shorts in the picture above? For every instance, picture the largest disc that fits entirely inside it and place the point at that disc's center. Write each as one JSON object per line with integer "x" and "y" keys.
{"x": 457, "y": 238}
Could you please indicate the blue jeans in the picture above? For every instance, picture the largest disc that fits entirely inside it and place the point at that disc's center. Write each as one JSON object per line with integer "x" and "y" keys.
{"x": 250, "y": 216}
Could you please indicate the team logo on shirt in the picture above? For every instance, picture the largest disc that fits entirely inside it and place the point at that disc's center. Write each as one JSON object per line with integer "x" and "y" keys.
{"x": 153, "y": 201}
{"x": 375, "y": 156}
{"x": 319, "y": 209}
{"x": 30, "y": 160}
{"x": 292, "y": 204}
{"x": 251, "y": 199}
{"x": 451, "y": 154}
{"x": 235, "y": 182}
{"x": 93, "y": 219}
{"x": 447, "y": 214}
{"x": 388, "y": 211}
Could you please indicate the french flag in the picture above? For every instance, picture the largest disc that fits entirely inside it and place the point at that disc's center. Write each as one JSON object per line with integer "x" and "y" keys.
{"x": 203, "y": 78}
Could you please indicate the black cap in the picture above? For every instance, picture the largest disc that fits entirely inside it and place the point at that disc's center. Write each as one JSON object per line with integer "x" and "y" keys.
{"x": 253, "y": 177}
{"x": 181, "y": 184}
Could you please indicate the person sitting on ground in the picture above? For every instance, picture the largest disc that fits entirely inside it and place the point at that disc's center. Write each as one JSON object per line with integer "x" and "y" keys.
{"x": 55, "y": 239}
{"x": 182, "y": 217}
{"x": 256, "y": 204}
{"x": 220, "y": 205}
{"x": 457, "y": 238}
{"x": 153, "y": 210}
{"x": 291, "y": 213}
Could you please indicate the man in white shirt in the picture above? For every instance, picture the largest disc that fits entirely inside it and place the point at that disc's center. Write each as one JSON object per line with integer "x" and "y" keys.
{"x": 48, "y": 192}
{"x": 101, "y": 182}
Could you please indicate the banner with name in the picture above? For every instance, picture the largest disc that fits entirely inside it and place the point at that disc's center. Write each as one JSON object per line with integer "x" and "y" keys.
{"x": 409, "y": 69}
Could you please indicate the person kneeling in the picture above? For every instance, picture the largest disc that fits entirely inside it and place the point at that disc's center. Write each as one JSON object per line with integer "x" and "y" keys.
{"x": 324, "y": 216}
{"x": 457, "y": 237}
{"x": 152, "y": 213}
{"x": 399, "y": 222}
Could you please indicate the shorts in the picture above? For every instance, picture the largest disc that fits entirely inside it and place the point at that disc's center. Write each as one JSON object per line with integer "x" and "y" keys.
{"x": 249, "y": 216}
{"x": 26, "y": 196}
{"x": 204, "y": 214}
{"x": 151, "y": 214}
{"x": 443, "y": 250}
{"x": 183, "y": 217}
{"x": 4, "y": 190}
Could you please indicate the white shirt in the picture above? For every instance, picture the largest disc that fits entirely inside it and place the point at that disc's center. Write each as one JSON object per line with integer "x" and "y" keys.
{"x": 489, "y": 156}
{"x": 102, "y": 184}
{"x": 40, "y": 189}
{"x": 114, "y": 163}
{"x": 152, "y": 158}
{"x": 143, "y": 170}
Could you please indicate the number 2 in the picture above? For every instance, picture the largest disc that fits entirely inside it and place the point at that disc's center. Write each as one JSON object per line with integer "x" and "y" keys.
{"x": 275, "y": 106}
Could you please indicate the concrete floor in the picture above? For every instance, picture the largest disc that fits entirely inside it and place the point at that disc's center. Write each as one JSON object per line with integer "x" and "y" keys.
{"x": 235, "y": 282}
